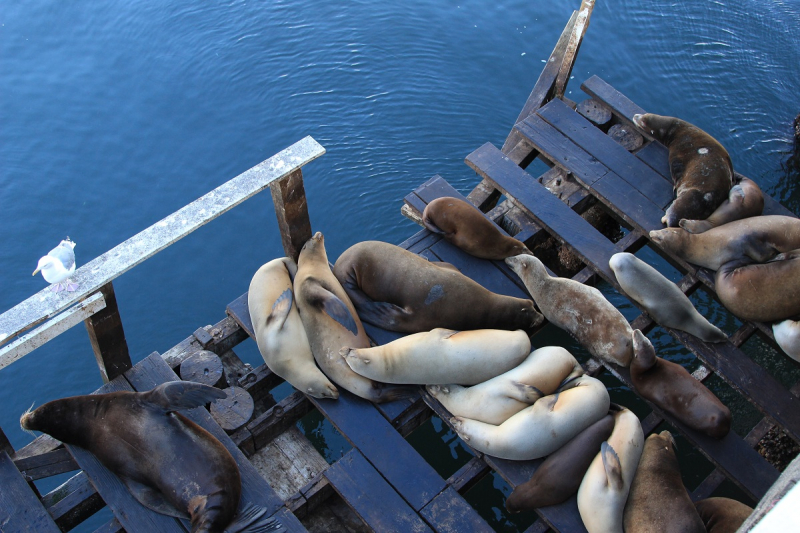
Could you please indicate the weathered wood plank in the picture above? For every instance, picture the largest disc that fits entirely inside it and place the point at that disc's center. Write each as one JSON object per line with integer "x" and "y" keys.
{"x": 46, "y": 465}
{"x": 468, "y": 475}
{"x": 291, "y": 208}
{"x": 449, "y": 513}
{"x": 20, "y": 509}
{"x": 108, "y": 338}
{"x": 73, "y": 501}
{"x": 573, "y": 46}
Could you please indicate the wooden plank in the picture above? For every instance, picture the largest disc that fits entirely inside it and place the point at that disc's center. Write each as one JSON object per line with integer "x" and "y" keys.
{"x": 20, "y": 508}
{"x": 108, "y": 338}
{"x": 449, "y": 513}
{"x": 46, "y": 465}
{"x": 368, "y": 494}
{"x": 291, "y": 208}
{"x": 468, "y": 475}
{"x": 574, "y": 45}
{"x": 73, "y": 501}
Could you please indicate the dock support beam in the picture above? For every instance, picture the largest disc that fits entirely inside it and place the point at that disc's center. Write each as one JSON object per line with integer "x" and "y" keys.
{"x": 108, "y": 338}
{"x": 291, "y": 208}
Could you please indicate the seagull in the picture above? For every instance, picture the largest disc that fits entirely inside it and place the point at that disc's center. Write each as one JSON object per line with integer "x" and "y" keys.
{"x": 57, "y": 266}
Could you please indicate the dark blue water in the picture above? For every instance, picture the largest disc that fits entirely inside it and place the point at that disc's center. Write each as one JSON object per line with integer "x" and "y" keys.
{"x": 115, "y": 114}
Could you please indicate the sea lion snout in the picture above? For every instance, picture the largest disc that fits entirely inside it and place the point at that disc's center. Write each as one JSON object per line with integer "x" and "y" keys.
{"x": 639, "y": 120}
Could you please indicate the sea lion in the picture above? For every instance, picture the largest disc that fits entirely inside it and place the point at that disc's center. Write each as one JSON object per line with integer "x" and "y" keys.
{"x": 658, "y": 501}
{"x": 757, "y": 238}
{"x": 441, "y": 356}
{"x": 761, "y": 292}
{"x": 722, "y": 515}
{"x": 670, "y": 387}
{"x": 543, "y": 427}
{"x": 745, "y": 200}
{"x": 661, "y": 298}
{"x": 701, "y": 169}
{"x": 280, "y": 335}
{"x": 494, "y": 400}
{"x": 579, "y": 309}
{"x": 561, "y": 473}
{"x": 465, "y": 226}
{"x": 604, "y": 489}
{"x": 787, "y": 335}
{"x": 170, "y": 464}
{"x": 397, "y": 290}
{"x": 331, "y": 323}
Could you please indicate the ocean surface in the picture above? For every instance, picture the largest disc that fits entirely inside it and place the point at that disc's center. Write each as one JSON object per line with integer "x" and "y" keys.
{"x": 115, "y": 114}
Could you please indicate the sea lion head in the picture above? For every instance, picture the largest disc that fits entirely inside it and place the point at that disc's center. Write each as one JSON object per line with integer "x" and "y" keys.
{"x": 314, "y": 247}
{"x": 528, "y": 267}
{"x": 660, "y": 127}
{"x": 670, "y": 239}
{"x": 61, "y": 419}
{"x": 644, "y": 355}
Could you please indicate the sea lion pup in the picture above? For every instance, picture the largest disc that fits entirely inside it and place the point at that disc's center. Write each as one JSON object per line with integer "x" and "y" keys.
{"x": 604, "y": 489}
{"x": 441, "y": 356}
{"x": 787, "y": 335}
{"x": 170, "y": 464}
{"x": 561, "y": 473}
{"x": 465, "y": 226}
{"x": 658, "y": 501}
{"x": 661, "y": 298}
{"x": 331, "y": 323}
{"x": 701, "y": 169}
{"x": 397, "y": 290}
{"x": 745, "y": 200}
{"x": 280, "y": 334}
{"x": 494, "y": 400}
{"x": 579, "y": 309}
{"x": 673, "y": 389}
{"x": 757, "y": 238}
{"x": 722, "y": 515}
{"x": 761, "y": 292}
{"x": 543, "y": 427}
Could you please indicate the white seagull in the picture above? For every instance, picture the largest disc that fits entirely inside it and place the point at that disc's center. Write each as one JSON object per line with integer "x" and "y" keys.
{"x": 58, "y": 265}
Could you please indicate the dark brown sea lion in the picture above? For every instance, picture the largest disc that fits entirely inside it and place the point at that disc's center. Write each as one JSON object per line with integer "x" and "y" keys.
{"x": 397, "y": 290}
{"x": 761, "y": 292}
{"x": 702, "y": 172}
{"x": 658, "y": 501}
{"x": 757, "y": 238}
{"x": 169, "y": 463}
{"x": 722, "y": 515}
{"x": 745, "y": 200}
{"x": 463, "y": 225}
{"x": 561, "y": 473}
{"x": 673, "y": 389}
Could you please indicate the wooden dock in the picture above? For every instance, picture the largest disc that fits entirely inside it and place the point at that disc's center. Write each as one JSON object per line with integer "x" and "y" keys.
{"x": 383, "y": 483}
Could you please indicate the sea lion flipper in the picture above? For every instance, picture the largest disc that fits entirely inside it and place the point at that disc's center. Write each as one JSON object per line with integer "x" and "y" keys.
{"x": 524, "y": 393}
{"x": 381, "y": 314}
{"x": 612, "y": 465}
{"x": 151, "y": 498}
{"x": 433, "y": 228}
{"x": 334, "y": 307}
{"x": 281, "y": 308}
{"x": 253, "y": 519}
{"x": 179, "y": 395}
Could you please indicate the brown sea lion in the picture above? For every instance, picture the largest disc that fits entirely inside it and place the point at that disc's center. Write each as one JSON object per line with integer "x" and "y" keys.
{"x": 169, "y": 463}
{"x": 757, "y": 238}
{"x": 745, "y": 200}
{"x": 331, "y": 323}
{"x": 658, "y": 500}
{"x": 722, "y": 515}
{"x": 761, "y": 292}
{"x": 701, "y": 169}
{"x": 465, "y": 226}
{"x": 673, "y": 389}
{"x": 579, "y": 309}
{"x": 397, "y": 290}
{"x": 561, "y": 473}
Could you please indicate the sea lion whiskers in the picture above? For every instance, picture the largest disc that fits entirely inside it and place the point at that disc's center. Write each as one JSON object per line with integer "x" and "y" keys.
{"x": 23, "y": 417}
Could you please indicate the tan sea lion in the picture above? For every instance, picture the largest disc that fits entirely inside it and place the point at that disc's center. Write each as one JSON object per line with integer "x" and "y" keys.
{"x": 441, "y": 356}
{"x": 397, "y": 290}
{"x": 673, "y": 389}
{"x": 756, "y": 238}
{"x": 561, "y": 473}
{"x": 280, "y": 334}
{"x": 170, "y": 464}
{"x": 579, "y": 309}
{"x": 761, "y": 292}
{"x": 661, "y": 298}
{"x": 604, "y": 489}
{"x": 658, "y": 501}
{"x": 787, "y": 335}
{"x": 494, "y": 400}
{"x": 331, "y": 323}
{"x": 701, "y": 169}
{"x": 745, "y": 200}
{"x": 722, "y": 515}
{"x": 543, "y": 427}
{"x": 465, "y": 226}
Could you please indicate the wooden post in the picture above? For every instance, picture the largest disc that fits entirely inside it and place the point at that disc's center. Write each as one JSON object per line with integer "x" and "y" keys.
{"x": 5, "y": 445}
{"x": 108, "y": 338}
{"x": 291, "y": 208}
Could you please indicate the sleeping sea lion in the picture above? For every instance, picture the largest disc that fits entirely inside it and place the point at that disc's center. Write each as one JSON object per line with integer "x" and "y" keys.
{"x": 722, "y": 515}
{"x": 745, "y": 200}
{"x": 397, "y": 290}
{"x": 701, "y": 169}
{"x": 170, "y": 464}
{"x": 465, "y": 226}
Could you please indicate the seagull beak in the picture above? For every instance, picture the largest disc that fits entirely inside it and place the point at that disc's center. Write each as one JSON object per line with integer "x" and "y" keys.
{"x": 36, "y": 271}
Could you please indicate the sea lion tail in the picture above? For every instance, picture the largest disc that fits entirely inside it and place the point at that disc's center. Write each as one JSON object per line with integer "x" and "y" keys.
{"x": 399, "y": 392}
{"x": 253, "y": 519}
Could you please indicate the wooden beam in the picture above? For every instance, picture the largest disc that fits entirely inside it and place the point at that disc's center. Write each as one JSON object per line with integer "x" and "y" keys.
{"x": 291, "y": 208}
{"x": 108, "y": 338}
{"x": 575, "y": 40}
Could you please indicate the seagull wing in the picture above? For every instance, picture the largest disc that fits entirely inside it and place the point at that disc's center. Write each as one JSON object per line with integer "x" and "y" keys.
{"x": 64, "y": 253}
